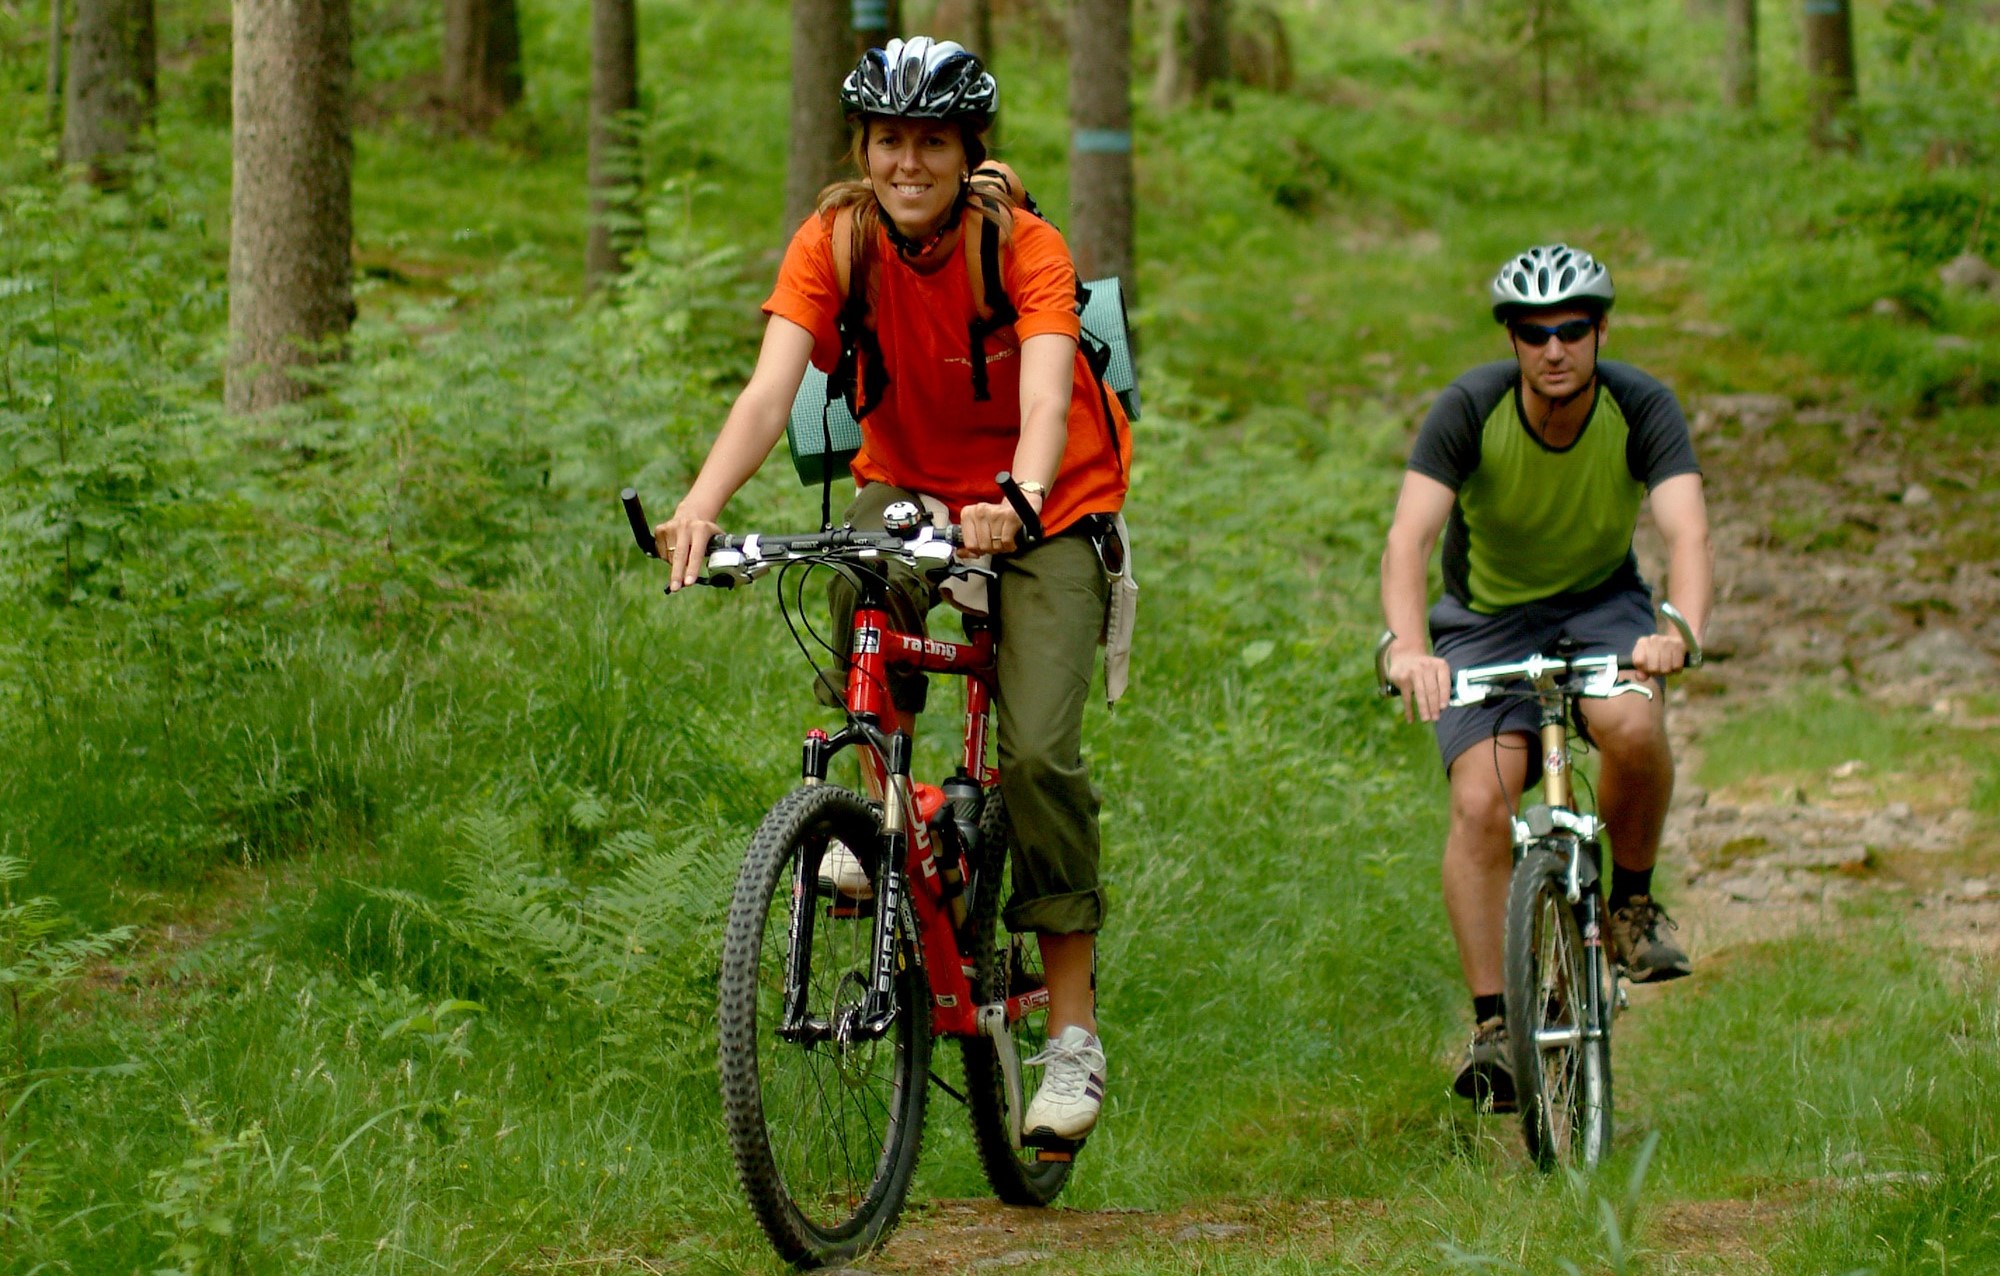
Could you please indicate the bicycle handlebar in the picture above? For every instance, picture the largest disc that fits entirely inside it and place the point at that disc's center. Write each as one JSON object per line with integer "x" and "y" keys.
{"x": 1535, "y": 666}
{"x": 731, "y": 558}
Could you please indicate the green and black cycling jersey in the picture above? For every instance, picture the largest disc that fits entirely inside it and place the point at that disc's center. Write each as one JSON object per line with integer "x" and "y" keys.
{"x": 1534, "y": 522}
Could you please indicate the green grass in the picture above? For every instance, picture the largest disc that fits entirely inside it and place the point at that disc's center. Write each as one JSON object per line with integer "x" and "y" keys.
{"x": 368, "y": 710}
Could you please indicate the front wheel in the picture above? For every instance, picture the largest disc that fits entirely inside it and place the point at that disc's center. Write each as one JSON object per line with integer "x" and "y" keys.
{"x": 1004, "y": 965}
{"x": 825, "y": 1125}
{"x": 1558, "y": 1038}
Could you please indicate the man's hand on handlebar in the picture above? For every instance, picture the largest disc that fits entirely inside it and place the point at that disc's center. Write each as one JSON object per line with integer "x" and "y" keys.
{"x": 683, "y": 542}
{"x": 1424, "y": 680}
{"x": 1658, "y": 655}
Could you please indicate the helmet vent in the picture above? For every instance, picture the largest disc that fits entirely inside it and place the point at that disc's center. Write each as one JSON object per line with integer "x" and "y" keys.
{"x": 1568, "y": 277}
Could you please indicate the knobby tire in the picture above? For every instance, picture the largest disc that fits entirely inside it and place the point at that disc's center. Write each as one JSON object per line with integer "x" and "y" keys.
{"x": 1003, "y": 963}
{"x": 825, "y": 1139}
{"x": 1564, "y": 1090}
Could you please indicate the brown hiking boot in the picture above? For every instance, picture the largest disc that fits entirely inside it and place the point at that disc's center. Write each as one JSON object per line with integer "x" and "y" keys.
{"x": 1637, "y": 942}
{"x": 1487, "y": 1075}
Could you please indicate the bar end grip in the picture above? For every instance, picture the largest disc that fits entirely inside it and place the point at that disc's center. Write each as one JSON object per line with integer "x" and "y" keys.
{"x": 642, "y": 531}
{"x": 1031, "y": 522}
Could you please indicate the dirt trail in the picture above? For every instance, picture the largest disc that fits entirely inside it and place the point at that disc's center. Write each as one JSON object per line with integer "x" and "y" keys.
{"x": 1884, "y": 599}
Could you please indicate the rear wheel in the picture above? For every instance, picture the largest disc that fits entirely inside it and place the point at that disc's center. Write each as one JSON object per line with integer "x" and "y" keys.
{"x": 1562, "y": 1074}
{"x": 1005, "y": 965}
{"x": 825, "y": 1125}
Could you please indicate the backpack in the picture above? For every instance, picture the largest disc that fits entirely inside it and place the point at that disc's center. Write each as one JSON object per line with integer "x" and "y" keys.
{"x": 825, "y": 428}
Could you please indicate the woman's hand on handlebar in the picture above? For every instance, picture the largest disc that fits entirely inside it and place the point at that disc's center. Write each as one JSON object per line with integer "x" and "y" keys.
{"x": 1424, "y": 680}
{"x": 1658, "y": 655}
{"x": 683, "y": 543}
{"x": 992, "y": 528}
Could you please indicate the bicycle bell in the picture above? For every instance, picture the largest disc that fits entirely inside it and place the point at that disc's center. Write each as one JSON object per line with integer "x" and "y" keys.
{"x": 903, "y": 517}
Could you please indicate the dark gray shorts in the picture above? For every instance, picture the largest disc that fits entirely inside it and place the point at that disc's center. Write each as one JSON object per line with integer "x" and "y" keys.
{"x": 1610, "y": 619}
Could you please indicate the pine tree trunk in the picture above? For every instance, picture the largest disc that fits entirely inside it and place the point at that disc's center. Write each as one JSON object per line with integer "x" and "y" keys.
{"x": 1208, "y": 46}
{"x": 1100, "y": 152}
{"x": 291, "y": 223}
{"x": 55, "y": 85}
{"x": 1170, "y": 73}
{"x": 982, "y": 31}
{"x": 1739, "y": 75}
{"x": 148, "y": 40}
{"x": 821, "y": 45}
{"x": 874, "y": 24}
{"x": 1830, "y": 73}
{"x": 614, "y": 151}
{"x": 108, "y": 101}
{"x": 482, "y": 59}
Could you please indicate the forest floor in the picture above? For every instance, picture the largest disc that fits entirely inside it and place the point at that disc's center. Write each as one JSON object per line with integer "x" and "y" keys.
{"x": 1894, "y": 609}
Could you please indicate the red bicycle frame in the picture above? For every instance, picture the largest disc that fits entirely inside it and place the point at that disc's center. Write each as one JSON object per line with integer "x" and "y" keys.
{"x": 908, "y": 808}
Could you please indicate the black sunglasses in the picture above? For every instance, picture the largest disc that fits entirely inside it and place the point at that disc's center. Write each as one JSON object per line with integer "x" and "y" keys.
{"x": 1570, "y": 331}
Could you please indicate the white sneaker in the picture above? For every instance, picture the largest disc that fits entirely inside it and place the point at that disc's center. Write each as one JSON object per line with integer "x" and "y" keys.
{"x": 1072, "y": 1089}
{"x": 840, "y": 871}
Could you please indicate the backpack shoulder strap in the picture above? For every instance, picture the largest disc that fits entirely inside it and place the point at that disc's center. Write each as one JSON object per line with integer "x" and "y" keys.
{"x": 860, "y": 376}
{"x": 991, "y": 309}
{"x": 842, "y": 236}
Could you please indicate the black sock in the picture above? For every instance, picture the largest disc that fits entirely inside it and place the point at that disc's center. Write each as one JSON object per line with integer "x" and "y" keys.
{"x": 1627, "y": 882}
{"x": 1487, "y": 1007}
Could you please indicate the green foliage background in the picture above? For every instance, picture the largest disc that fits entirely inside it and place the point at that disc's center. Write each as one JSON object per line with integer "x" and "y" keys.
{"x": 424, "y": 801}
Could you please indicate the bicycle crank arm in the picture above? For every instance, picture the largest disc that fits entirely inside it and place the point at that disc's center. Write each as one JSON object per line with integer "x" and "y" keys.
{"x": 993, "y": 1026}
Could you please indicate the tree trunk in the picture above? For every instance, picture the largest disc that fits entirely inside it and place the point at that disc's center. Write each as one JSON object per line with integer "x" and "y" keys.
{"x": 482, "y": 59}
{"x": 109, "y": 98}
{"x": 1739, "y": 74}
{"x": 1170, "y": 73}
{"x": 55, "y": 65}
{"x": 875, "y": 23}
{"x": 1100, "y": 151}
{"x": 1830, "y": 73}
{"x": 982, "y": 31}
{"x": 1208, "y": 46}
{"x": 147, "y": 38}
{"x": 821, "y": 43}
{"x": 291, "y": 225}
{"x": 614, "y": 150}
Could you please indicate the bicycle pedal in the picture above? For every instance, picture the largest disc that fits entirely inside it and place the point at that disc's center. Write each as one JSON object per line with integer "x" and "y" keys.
{"x": 1048, "y": 1147}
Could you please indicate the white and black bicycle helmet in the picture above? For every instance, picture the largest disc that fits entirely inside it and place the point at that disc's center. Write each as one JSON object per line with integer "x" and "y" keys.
{"x": 1550, "y": 275}
{"x": 922, "y": 79}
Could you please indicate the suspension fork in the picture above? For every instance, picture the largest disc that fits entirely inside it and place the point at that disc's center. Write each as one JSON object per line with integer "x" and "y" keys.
{"x": 879, "y": 1008}
{"x": 1596, "y": 961}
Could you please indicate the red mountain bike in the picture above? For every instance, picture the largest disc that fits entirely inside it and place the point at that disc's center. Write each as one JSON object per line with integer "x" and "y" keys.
{"x": 866, "y": 923}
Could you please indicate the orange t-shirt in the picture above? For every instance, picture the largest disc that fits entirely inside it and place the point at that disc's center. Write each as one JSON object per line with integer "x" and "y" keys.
{"x": 928, "y": 434}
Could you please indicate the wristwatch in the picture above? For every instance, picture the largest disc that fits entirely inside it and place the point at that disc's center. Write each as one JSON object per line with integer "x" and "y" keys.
{"x": 1035, "y": 489}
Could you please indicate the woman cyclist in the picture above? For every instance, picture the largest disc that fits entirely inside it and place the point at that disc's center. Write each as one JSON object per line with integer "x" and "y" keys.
{"x": 945, "y": 402}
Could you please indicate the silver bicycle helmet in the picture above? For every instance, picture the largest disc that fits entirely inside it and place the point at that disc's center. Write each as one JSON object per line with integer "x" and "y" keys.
{"x": 923, "y": 79}
{"x": 1550, "y": 275}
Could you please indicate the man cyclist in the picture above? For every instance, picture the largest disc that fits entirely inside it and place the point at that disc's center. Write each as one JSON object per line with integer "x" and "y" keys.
{"x": 1533, "y": 469}
{"x": 947, "y": 399}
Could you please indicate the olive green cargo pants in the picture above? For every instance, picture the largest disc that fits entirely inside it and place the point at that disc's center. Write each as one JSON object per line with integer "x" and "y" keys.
{"x": 1048, "y": 610}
